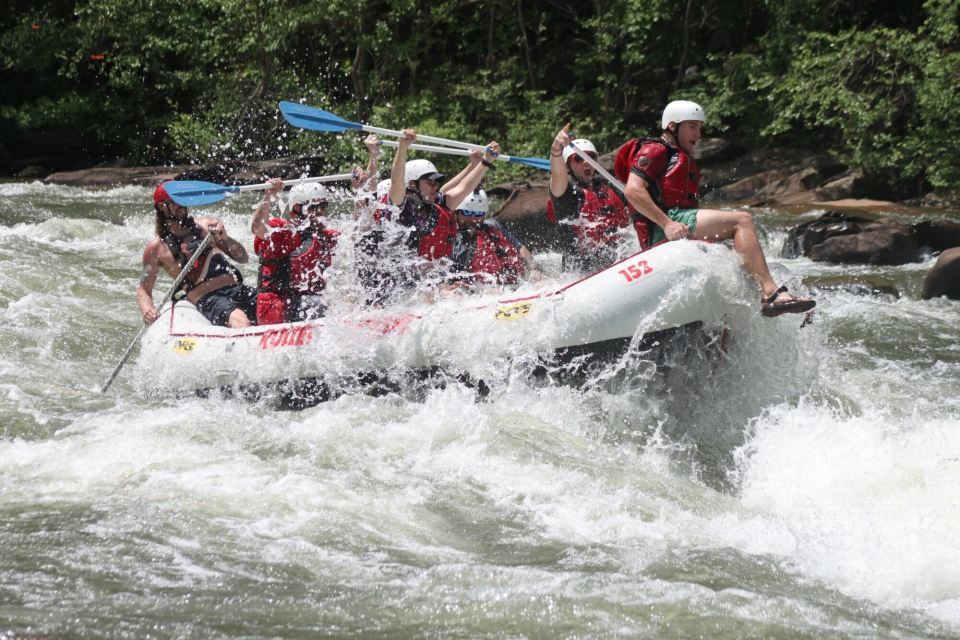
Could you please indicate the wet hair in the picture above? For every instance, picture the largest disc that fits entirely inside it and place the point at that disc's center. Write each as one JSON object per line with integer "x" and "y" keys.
{"x": 161, "y": 224}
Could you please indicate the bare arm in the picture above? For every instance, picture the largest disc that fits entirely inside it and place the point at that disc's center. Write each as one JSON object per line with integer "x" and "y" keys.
{"x": 373, "y": 148}
{"x": 639, "y": 198}
{"x": 559, "y": 177}
{"x": 366, "y": 179}
{"x": 148, "y": 278}
{"x": 475, "y": 156}
{"x": 398, "y": 185}
{"x": 222, "y": 241}
{"x": 259, "y": 224}
{"x": 459, "y": 193}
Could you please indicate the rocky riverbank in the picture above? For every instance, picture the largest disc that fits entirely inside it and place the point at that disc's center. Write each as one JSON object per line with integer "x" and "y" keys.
{"x": 781, "y": 177}
{"x": 236, "y": 172}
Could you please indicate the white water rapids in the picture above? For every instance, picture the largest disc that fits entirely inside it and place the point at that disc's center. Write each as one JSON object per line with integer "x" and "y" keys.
{"x": 806, "y": 485}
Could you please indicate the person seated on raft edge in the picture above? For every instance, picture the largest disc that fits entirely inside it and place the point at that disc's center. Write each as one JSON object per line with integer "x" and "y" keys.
{"x": 293, "y": 254}
{"x": 663, "y": 185}
{"x": 483, "y": 251}
{"x": 587, "y": 210}
{"x": 214, "y": 285}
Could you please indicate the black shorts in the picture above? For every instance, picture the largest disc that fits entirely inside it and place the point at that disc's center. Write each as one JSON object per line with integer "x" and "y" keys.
{"x": 217, "y": 305}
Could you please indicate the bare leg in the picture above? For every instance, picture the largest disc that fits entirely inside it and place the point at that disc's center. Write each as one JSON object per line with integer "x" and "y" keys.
{"x": 713, "y": 224}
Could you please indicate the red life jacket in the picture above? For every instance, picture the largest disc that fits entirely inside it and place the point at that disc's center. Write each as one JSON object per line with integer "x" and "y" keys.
{"x": 310, "y": 260}
{"x": 300, "y": 270}
{"x": 438, "y": 243}
{"x": 602, "y": 212}
{"x": 494, "y": 254}
{"x": 208, "y": 265}
{"x": 677, "y": 184}
{"x": 432, "y": 226}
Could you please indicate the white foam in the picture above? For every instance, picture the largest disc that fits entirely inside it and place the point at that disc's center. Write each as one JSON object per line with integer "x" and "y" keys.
{"x": 867, "y": 501}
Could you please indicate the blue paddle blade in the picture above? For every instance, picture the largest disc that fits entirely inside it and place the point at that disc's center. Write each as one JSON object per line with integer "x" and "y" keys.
{"x": 537, "y": 163}
{"x": 196, "y": 193}
{"x": 304, "y": 117}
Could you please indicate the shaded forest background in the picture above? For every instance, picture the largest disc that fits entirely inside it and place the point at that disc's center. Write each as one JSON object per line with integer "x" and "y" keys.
{"x": 876, "y": 83}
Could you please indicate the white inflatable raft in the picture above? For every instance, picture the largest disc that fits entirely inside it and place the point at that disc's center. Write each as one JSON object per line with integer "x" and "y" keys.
{"x": 673, "y": 285}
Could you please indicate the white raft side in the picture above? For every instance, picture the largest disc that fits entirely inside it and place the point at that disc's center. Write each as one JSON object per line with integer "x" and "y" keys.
{"x": 182, "y": 350}
{"x": 664, "y": 287}
{"x": 668, "y": 286}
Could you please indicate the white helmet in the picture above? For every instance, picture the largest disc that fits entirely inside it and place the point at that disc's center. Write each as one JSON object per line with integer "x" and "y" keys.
{"x": 680, "y": 111}
{"x": 475, "y": 204}
{"x": 383, "y": 188}
{"x": 308, "y": 192}
{"x": 421, "y": 170}
{"x": 580, "y": 143}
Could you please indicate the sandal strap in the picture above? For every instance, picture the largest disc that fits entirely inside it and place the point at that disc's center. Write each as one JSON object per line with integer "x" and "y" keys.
{"x": 774, "y": 295}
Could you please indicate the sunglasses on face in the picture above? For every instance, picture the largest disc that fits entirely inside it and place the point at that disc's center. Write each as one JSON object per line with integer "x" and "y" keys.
{"x": 313, "y": 206}
{"x": 432, "y": 183}
{"x": 472, "y": 214}
{"x": 578, "y": 159}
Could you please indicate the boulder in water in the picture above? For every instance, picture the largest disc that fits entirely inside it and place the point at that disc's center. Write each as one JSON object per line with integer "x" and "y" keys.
{"x": 864, "y": 285}
{"x": 939, "y": 235}
{"x": 114, "y": 176}
{"x": 802, "y": 238}
{"x": 843, "y": 238}
{"x": 943, "y": 279}
{"x": 883, "y": 242}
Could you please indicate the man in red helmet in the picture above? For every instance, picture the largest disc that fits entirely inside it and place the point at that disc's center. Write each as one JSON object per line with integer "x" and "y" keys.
{"x": 663, "y": 185}
{"x": 213, "y": 284}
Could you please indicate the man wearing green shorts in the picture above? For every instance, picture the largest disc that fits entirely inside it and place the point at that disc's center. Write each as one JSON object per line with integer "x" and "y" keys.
{"x": 664, "y": 186}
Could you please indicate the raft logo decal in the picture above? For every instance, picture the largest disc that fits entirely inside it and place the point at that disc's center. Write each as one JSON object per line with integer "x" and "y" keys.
{"x": 286, "y": 337}
{"x": 184, "y": 346}
{"x": 513, "y": 311}
{"x": 636, "y": 271}
{"x": 383, "y": 326}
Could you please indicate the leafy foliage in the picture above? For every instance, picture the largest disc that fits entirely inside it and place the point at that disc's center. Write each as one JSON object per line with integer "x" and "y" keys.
{"x": 873, "y": 81}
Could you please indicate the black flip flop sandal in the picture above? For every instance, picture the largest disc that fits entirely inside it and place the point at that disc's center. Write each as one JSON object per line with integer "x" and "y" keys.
{"x": 770, "y": 308}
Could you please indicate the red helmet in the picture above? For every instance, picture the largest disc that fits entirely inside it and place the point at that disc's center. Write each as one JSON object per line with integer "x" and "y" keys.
{"x": 160, "y": 194}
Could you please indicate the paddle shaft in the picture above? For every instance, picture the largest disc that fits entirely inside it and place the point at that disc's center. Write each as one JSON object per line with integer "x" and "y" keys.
{"x": 312, "y": 118}
{"x": 176, "y": 284}
{"x": 596, "y": 165}
{"x": 393, "y": 133}
{"x": 449, "y": 150}
{"x": 289, "y": 183}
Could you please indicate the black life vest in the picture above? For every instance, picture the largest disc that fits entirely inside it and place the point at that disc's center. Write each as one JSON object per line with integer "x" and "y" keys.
{"x": 208, "y": 265}
{"x": 173, "y": 241}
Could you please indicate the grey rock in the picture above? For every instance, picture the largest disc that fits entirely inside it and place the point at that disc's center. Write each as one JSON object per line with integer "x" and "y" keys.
{"x": 886, "y": 242}
{"x": 939, "y": 235}
{"x": 943, "y": 279}
{"x": 113, "y": 176}
{"x": 856, "y": 285}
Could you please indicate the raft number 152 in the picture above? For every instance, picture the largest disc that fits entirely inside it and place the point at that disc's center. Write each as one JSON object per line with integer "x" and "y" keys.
{"x": 636, "y": 271}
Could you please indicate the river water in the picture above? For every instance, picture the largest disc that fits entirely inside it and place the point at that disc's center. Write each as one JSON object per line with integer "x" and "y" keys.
{"x": 806, "y": 485}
